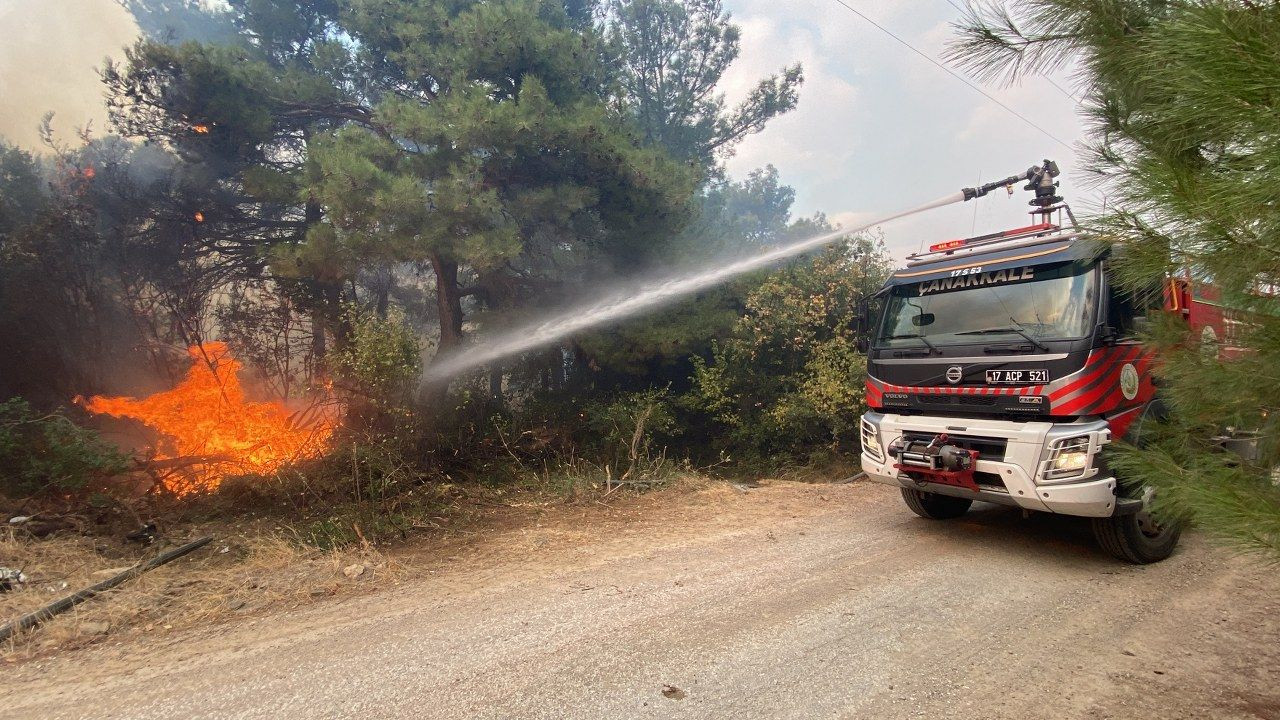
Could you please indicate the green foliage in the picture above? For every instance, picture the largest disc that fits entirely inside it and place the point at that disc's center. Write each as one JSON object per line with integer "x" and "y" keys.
{"x": 60, "y": 272}
{"x": 623, "y": 427}
{"x": 382, "y": 359}
{"x": 48, "y": 454}
{"x": 669, "y": 56}
{"x": 303, "y": 158}
{"x": 369, "y": 487}
{"x": 790, "y": 379}
{"x": 1182, "y": 97}
{"x": 21, "y": 195}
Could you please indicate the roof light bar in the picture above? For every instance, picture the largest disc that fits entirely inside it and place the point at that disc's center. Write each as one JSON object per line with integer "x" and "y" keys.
{"x": 948, "y": 245}
{"x": 992, "y": 238}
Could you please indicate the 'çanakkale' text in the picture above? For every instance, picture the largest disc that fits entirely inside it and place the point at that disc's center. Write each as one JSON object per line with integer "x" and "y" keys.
{"x": 987, "y": 278}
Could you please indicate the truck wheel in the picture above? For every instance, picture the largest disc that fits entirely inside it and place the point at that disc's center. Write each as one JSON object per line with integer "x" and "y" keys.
{"x": 935, "y": 506}
{"x": 1137, "y": 538}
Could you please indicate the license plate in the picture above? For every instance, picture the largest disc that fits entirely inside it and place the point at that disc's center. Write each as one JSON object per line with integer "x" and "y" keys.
{"x": 1017, "y": 377}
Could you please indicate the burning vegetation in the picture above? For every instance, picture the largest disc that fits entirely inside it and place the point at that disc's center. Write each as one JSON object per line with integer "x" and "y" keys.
{"x": 319, "y": 230}
{"x": 209, "y": 430}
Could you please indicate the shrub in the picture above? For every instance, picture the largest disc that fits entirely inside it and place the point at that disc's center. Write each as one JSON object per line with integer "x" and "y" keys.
{"x": 48, "y": 453}
{"x": 381, "y": 361}
{"x": 789, "y": 380}
{"x": 368, "y": 487}
{"x": 625, "y": 428}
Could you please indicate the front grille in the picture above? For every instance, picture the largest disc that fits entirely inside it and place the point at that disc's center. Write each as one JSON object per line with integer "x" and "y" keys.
{"x": 970, "y": 400}
{"x": 988, "y": 448}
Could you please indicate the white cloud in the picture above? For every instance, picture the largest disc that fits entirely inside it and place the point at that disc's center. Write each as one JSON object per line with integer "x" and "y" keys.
{"x": 828, "y": 107}
{"x": 879, "y": 128}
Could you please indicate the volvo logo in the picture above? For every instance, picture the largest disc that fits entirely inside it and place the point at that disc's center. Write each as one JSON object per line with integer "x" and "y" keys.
{"x": 955, "y": 374}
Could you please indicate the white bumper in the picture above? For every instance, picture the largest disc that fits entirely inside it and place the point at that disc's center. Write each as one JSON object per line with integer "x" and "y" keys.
{"x": 1020, "y": 470}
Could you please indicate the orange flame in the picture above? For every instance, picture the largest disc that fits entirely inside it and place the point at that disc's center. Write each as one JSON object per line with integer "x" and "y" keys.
{"x": 89, "y": 172}
{"x": 201, "y": 128}
{"x": 210, "y": 431}
{"x": 199, "y": 216}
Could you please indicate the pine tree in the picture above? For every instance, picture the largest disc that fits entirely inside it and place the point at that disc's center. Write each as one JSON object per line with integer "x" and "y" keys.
{"x": 343, "y": 137}
{"x": 669, "y": 56}
{"x": 1184, "y": 104}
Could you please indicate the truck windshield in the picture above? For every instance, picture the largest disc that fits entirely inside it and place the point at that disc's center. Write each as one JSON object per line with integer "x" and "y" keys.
{"x": 1031, "y": 303}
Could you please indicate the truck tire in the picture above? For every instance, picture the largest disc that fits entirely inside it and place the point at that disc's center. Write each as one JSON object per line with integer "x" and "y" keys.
{"x": 935, "y": 506}
{"x": 1136, "y": 538}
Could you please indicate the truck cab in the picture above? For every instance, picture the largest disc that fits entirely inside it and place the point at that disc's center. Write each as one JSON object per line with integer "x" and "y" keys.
{"x": 999, "y": 369}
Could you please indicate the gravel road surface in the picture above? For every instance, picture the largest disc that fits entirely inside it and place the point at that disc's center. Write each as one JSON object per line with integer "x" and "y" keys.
{"x": 786, "y": 601}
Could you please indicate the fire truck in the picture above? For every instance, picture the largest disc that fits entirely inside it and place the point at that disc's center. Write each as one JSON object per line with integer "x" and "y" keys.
{"x": 1001, "y": 367}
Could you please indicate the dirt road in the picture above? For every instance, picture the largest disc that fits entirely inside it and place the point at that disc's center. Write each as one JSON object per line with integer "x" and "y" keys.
{"x": 784, "y": 601}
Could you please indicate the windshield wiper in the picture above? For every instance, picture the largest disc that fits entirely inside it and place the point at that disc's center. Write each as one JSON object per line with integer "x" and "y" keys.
{"x": 914, "y": 336}
{"x": 1010, "y": 329}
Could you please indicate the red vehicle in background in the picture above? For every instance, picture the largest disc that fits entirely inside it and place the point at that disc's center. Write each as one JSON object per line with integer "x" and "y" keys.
{"x": 1000, "y": 367}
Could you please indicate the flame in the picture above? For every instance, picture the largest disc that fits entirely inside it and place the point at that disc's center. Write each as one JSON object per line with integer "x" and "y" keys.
{"x": 210, "y": 431}
{"x": 201, "y": 128}
{"x": 199, "y": 216}
{"x": 89, "y": 172}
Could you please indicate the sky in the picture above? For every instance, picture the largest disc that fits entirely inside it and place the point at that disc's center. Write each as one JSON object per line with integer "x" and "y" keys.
{"x": 878, "y": 128}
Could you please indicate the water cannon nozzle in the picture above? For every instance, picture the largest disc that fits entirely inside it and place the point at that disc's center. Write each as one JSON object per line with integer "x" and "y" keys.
{"x": 1039, "y": 178}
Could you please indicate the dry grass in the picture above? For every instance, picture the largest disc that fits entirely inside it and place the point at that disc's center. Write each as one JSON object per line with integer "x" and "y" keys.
{"x": 239, "y": 574}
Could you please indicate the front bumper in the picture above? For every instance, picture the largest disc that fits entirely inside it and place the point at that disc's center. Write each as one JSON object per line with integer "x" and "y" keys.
{"x": 1018, "y": 471}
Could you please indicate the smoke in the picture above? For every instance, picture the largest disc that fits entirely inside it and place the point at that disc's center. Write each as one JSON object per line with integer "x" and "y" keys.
{"x": 48, "y": 55}
{"x": 642, "y": 299}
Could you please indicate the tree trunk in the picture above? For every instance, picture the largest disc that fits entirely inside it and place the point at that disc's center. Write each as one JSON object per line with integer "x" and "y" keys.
{"x": 495, "y": 382}
{"x": 449, "y": 309}
{"x": 382, "y": 294}
{"x": 448, "y": 303}
{"x": 318, "y": 346}
{"x": 326, "y": 314}
{"x": 332, "y": 293}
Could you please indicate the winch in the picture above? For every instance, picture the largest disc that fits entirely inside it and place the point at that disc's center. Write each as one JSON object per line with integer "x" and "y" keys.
{"x": 935, "y": 461}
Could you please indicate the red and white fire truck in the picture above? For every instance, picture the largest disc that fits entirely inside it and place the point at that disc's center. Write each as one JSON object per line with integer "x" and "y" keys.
{"x": 1000, "y": 367}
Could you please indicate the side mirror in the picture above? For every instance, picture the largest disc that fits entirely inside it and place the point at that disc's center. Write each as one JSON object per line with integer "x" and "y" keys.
{"x": 862, "y": 326}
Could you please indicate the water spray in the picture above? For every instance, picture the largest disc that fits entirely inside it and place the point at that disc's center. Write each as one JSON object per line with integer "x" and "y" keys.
{"x": 654, "y": 294}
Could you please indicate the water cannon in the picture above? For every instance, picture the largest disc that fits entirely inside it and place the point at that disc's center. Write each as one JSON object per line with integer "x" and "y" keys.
{"x": 1039, "y": 178}
{"x": 1042, "y": 181}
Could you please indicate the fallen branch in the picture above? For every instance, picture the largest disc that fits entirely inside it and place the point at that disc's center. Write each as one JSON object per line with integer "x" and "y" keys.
{"x": 31, "y": 620}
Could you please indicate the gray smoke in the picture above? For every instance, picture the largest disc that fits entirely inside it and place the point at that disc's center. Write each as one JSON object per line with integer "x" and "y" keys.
{"x": 48, "y": 55}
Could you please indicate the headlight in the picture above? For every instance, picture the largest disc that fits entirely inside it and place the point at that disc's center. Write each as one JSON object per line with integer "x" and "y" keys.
{"x": 1069, "y": 459}
{"x": 871, "y": 440}
{"x": 1073, "y": 461}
